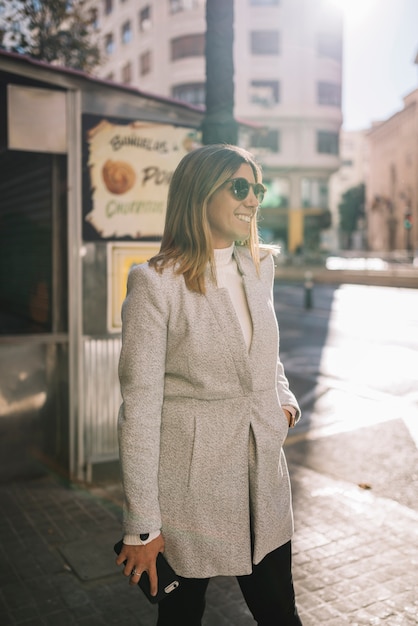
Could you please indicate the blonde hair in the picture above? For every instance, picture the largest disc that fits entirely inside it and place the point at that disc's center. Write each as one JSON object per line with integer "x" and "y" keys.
{"x": 187, "y": 241}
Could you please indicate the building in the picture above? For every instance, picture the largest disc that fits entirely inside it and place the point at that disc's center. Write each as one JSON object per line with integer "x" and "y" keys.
{"x": 392, "y": 185}
{"x": 354, "y": 155}
{"x": 288, "y": 67}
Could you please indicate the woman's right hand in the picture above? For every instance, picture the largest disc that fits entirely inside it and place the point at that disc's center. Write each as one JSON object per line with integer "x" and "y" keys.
{"x": 141, "y": 559}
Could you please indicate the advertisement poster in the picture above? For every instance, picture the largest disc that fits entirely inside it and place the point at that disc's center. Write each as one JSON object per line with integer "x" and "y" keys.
{"x": 120, "y": 258}
{"x": 128, "y": 168}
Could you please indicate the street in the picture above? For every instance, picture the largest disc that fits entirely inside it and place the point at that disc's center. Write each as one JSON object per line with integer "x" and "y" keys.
{"x": 353, "y": 362}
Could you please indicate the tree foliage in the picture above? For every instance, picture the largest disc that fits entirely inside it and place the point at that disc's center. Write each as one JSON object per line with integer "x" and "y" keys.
{"x": 57, "y": 31}
{"x": 352, "y": 208}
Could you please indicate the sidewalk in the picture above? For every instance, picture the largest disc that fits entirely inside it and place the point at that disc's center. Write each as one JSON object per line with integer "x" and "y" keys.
{"x": 355, "y": 558}
{"x": 406, "y": 277}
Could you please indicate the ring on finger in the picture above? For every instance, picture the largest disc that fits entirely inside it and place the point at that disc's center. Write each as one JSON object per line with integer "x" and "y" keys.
{"x": 135, "y": 573}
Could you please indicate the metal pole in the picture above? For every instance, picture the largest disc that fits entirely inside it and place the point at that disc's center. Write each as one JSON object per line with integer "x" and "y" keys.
{"x": 75, "y": 320}
{"x": 308, "y": 289}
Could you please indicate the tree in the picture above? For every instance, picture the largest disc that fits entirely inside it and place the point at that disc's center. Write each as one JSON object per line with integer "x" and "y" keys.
{"x": 351, "y": 209}
{"x": 57, "y": 31}
{"x": 15, "y": 33}
{"x": 219, "y": 125}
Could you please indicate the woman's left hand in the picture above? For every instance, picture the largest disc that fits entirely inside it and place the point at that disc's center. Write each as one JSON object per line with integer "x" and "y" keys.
{"x": 140, "y": 559}
{"x": 288, "y": 416}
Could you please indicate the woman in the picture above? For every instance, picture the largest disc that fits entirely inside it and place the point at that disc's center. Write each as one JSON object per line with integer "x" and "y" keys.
{"x": 206, "y": 404}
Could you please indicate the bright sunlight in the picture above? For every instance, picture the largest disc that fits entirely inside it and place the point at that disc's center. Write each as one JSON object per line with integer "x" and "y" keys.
{"x": 356, "y": 12}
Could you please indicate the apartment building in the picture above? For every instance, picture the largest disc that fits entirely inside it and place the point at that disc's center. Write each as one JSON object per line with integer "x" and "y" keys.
{"x": 392, "y": 184}
{"x": 288, "y": 72}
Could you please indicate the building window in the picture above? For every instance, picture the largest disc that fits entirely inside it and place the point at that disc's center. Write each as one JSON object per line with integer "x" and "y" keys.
{"x": 108, "y": 6}
{"x": 326, "y": 142}
{"x": 127, "y": 73}
{"x": 265, "y": 92}
{"x": 188, "y": 46}
{"x": 329, "y": 45}
{"x": 329, "y": 94}
{"x": 109, "y": 43}
{"x": 314, "y": 193}
{"x": 192, "y": 93}
{"x": 267, "y": 140}
{"x": 145, "y": 19}
{"x": 265, "y": 42}
{"x": 126, "y": 32}
{"x": 145, "y": 63}
{"x": 264, "y": 3}
{"x": 185, "y": 5}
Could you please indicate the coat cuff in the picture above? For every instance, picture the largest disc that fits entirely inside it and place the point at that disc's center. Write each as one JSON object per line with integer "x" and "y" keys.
{"x": 135, "y": 540}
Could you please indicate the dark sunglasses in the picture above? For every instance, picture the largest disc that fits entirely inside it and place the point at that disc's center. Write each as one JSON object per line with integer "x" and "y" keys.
{"x": 240, "y": 188}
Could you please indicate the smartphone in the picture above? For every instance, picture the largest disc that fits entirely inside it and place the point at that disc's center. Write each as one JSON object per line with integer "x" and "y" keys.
{"x": 168, "y": 580}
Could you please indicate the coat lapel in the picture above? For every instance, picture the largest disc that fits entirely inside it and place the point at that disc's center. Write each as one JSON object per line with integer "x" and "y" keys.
{"x": 232, "y": 337}
{"x": 255, "y": 291}
{"x": 257, "y": 296}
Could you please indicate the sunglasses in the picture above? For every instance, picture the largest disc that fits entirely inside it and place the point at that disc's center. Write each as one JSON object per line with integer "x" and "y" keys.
{"x": 240, "y": 188}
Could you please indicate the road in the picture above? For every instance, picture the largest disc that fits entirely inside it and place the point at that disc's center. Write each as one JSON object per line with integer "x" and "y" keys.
{"x": 352, "y": 360}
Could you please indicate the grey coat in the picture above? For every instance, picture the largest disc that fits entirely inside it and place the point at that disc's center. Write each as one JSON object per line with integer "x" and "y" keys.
{"x": 201, "y": 427}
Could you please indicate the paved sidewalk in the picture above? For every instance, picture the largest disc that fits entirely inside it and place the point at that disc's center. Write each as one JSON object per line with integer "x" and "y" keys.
{"x": 355, "y": 558}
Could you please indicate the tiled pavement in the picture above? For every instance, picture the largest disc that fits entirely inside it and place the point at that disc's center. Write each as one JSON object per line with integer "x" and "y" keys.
{"x": 355, "y": 558}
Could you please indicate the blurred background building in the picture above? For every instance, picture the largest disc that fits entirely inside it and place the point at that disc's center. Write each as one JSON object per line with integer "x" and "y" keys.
{"x": 392, "y": 183}
{"x": 288, "y": 75}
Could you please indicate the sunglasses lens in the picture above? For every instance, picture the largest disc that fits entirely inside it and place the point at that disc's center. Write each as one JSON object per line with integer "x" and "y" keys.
{"x": 241, "y": 188}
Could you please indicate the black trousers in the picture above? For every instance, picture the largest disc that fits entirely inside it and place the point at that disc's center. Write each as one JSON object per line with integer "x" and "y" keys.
{"x": 268, "y": 592}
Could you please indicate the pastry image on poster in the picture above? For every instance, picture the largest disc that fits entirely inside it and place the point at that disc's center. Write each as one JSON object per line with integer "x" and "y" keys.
{"x": 118, "y": 176}
{"x": 129, "y": 168}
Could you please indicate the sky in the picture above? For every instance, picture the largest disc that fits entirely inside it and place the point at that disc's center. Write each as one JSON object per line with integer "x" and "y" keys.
{"x": 380, "y": 45}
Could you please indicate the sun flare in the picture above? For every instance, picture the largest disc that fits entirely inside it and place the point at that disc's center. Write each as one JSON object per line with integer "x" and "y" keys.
{"x": 355, "y": 12}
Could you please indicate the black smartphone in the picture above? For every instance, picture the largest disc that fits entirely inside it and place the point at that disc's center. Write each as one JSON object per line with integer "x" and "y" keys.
{"x": 167, "y": 578}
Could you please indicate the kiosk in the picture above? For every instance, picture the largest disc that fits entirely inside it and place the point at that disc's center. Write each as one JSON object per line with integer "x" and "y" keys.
{"x": 84, "y": 172}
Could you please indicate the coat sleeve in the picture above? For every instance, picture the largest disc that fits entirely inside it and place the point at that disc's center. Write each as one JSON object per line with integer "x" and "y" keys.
{"x": 286, "y": 396}
{"x": 141, "y": 375}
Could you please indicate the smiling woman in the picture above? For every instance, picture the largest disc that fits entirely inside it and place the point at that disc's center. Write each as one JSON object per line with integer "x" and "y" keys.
{"x": 206, "y": 403}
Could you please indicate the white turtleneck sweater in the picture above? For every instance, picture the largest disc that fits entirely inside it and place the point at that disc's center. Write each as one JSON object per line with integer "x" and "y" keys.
{"x": 228, "y": 276}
